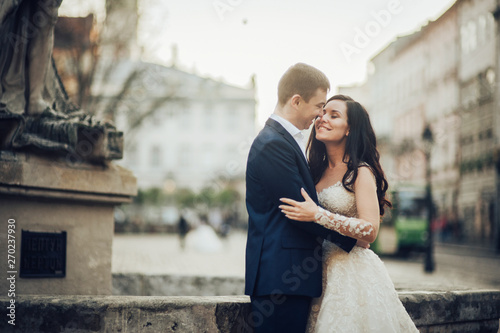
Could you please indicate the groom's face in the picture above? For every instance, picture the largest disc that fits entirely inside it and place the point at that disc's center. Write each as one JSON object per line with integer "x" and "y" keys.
{"x": 308, "y": 111}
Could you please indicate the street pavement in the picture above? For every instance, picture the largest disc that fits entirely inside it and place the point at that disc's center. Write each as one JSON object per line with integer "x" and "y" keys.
{"x": 457, "y": 267}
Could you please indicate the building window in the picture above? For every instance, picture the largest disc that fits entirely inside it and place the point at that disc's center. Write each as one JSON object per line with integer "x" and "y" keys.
{"x": 468, "y": 37}
{"x": 490, "y": 26}
{"x": 470, "y": 94}
{"x": 207, "y": 156}
{"x": 184, "y": 156}
{"x": 487, "y": 134}
{"x": 185, "y": 117}
{"x": 131, "y": 156}
{"x": 208, "y": 117}
{"x": 231, "y": 117}
{"x": 481, "y": 29}
{"x": 232, "y": 152}
{"x": 155, "y": 159}
{"x": 477, "y": 32}
{"x": 467, "y": 140}
{"x": 486, "y": 81}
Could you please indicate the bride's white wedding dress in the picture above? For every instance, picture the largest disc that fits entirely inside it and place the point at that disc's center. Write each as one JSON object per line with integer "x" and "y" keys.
{"x": 358, "y": 294}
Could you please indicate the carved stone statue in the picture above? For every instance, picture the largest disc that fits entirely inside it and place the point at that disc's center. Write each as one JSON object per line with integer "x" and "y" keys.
{"x": 35, "y": 111}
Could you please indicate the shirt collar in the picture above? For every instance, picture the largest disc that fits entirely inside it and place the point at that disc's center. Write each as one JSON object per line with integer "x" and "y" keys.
{"x": 290, "y": 128}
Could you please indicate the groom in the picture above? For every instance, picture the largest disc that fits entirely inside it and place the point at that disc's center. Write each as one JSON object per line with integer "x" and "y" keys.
{"x": 283, "y": 257}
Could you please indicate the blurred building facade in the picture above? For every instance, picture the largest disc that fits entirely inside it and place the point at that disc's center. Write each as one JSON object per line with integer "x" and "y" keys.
{"x": 192, "y": 132}
{"x": 444, "y": 75}
{"x": 182, "y": 131}
{"x": 478, "y": 133}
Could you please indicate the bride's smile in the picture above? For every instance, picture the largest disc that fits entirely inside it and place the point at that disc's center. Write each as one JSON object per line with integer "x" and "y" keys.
{"x": 332, "y": 125}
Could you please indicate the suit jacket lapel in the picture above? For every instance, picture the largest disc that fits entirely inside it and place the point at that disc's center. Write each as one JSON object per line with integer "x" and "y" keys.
{"x": 281, "y": 130}
{"x": 277, "y": 126}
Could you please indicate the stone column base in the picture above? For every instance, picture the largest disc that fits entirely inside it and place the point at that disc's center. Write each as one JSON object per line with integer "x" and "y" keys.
{"x": 53, "y": 196}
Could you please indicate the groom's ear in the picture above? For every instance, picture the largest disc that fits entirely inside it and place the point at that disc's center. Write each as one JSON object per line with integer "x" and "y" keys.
{"x": 295, "y": 101}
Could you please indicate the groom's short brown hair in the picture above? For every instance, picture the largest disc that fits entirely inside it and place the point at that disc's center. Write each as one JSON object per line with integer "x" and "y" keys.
{"x": 303, "y": 80}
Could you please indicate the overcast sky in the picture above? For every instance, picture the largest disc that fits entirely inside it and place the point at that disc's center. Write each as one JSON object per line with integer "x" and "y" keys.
{"x": 233, "y": 39}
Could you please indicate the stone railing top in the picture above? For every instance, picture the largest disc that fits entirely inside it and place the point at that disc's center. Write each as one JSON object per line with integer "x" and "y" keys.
{"x": 447, "y": 310}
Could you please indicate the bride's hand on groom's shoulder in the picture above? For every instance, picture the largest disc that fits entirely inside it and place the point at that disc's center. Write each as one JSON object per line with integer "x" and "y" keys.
{"x": 304, "y": 211}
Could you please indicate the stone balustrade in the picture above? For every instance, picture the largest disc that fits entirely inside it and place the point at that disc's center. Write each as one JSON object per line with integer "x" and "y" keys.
{"x": 450, "y": 311}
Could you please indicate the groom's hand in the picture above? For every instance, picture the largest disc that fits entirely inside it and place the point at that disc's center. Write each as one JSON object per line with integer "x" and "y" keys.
{"x": 363, "y": 244}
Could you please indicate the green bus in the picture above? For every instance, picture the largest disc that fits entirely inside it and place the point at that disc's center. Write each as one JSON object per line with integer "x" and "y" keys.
{"x": 405, "y": 229}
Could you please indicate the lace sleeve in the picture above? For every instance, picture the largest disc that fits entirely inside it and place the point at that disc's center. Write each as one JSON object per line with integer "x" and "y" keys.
{"x": 347, "y": 226}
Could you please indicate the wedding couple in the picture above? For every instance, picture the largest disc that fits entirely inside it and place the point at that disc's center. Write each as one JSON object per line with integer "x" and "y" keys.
{"x": 308, "y": 263}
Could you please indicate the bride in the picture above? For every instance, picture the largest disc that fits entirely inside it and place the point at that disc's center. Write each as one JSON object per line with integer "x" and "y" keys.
{"x": 358, "y": 294}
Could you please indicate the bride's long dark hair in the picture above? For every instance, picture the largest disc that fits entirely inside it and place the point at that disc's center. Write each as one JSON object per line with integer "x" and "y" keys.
{"x": 361, "y": 146}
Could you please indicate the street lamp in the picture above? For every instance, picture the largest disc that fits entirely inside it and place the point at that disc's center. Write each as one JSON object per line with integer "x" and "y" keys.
{"x": 428, "y": 142}
{"x": 496, "y": 158}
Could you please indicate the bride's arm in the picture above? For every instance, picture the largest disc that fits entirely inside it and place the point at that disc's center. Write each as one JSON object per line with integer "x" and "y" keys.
{"x": 364, "y": 228}
{"x": 365, "y": 191}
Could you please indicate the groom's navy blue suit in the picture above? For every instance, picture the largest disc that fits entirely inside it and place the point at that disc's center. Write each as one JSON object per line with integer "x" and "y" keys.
{"x": 283, "y": 257}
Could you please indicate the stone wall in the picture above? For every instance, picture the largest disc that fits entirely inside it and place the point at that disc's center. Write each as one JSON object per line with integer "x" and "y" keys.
{"x": 465, "y": 311}
{"x": 136, "y": 284}
{"x": 126, "y": 314}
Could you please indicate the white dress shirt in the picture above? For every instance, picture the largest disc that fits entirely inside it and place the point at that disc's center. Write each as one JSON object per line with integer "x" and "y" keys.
{"x": 294, "y": 132}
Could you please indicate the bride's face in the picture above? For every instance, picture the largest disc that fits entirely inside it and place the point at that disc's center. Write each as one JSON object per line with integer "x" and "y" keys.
{"x": 332, "y": 125}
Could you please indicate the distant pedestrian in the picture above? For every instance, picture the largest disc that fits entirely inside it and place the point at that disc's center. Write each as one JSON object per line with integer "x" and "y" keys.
{"x": 224, "y": 229}
{"x": 182, "y": 229}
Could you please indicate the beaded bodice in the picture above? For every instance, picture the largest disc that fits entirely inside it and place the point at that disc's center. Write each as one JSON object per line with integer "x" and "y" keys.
{"x": 338, "y": 200}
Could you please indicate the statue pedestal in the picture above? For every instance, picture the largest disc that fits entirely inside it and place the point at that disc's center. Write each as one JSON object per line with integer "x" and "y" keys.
{"x": 52, "y": 196}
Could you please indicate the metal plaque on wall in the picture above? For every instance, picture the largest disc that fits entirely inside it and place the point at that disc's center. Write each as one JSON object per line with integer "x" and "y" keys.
{"x": 43, "y": 254}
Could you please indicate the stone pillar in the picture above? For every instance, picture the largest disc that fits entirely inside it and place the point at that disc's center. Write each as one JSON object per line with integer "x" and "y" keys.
{"x": 39, "y": 194}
